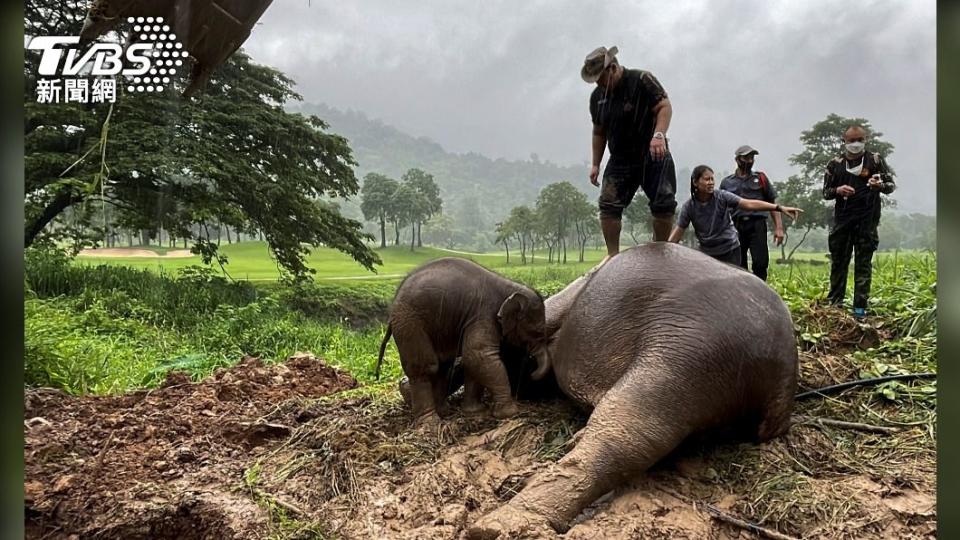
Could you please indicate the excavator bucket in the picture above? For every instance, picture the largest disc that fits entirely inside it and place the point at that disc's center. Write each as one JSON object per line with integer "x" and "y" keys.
{"x": 210, "y": 30}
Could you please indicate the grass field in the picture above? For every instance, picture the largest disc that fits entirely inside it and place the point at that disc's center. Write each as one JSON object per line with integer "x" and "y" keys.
{"x": 252, "y": 261}
{"x": 105, "y": 325}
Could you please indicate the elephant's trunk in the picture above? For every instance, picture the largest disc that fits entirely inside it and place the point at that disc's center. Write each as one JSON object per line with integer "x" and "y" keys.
{"x": 543, "y": 363}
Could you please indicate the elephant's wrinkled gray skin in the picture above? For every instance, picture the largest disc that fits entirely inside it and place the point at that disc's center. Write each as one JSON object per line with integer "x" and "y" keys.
{"x": 661, "y": 342}
{"x": 520, "y": 370}
{"x": 454, "y": 307}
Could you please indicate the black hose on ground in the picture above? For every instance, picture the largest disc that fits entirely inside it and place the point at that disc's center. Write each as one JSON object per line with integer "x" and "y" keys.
{"x": 863, "y": 382}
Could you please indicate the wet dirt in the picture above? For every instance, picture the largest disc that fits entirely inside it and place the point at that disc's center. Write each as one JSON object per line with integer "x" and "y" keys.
{"x": 257, "y": 451}
{"x": 166, "y": 462}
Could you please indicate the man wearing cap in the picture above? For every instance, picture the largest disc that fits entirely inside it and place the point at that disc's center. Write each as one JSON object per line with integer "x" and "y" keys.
{"x": 752, "y": 224}
{"x": 631, "y": 114}
{"x": 855, "y": 180}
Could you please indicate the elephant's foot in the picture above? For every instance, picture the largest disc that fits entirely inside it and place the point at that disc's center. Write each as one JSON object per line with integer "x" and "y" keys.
{"x": 443, "y": 409}
{"x": 505, "y": 410}
{"x": 473, "y": 407}
{"x": 427, "y": 422}
{"x": 510, "y": 522}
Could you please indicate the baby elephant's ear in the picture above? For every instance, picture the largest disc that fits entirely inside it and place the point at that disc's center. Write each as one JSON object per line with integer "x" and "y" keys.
{"x": 509, "y": 314}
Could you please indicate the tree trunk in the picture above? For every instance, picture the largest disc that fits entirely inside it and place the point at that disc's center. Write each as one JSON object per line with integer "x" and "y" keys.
{"x": 396, "y": 230}
{"x": 419, "y": 237}
{"x": 413, "y": 235}
{"x": 804, "y": 237}
{"x": 144, "y": 239}
{"x": 383, "y": 231}
{"x": 60, "y": 203}
{"x": 229, "y": 239}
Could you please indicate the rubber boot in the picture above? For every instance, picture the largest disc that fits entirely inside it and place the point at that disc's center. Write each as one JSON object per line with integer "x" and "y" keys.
{"x": 662, "y": 225}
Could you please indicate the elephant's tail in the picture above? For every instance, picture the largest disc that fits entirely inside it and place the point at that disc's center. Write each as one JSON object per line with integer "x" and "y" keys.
{"x": 383, "y": 348}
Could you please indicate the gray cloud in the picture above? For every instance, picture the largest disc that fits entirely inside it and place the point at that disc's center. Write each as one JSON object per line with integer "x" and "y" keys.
{"x": 502, "y": 78}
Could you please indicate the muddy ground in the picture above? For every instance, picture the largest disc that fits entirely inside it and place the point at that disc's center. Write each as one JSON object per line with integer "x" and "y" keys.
{"x": 295, "y": 450}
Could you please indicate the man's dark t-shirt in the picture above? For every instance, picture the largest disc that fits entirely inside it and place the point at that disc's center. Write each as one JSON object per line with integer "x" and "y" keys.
{"x": 626, "y": 115}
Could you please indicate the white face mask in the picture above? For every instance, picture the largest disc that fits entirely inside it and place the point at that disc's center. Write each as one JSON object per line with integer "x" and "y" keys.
{"x": 855, "y": 147}
{"x": 856, "y": 170}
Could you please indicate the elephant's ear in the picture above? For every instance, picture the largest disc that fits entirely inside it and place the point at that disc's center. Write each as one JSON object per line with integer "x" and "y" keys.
{"x": 510, "y": 313}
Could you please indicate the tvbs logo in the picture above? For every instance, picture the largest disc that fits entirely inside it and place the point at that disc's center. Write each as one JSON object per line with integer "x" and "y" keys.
{"x": 147, "y": 65}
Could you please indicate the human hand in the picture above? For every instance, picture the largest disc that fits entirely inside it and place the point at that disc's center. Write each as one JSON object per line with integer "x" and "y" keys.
{"x": 845, "y": 191}
{"x": 794, "y": 213}
{"x": 874, "y": 182}
{"x": 658, "y": 148}
{"x": 778, "y": 236}
{"x": 595, "y": 175}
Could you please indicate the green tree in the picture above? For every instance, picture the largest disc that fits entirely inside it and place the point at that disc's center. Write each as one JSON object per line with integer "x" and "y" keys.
{"x": 636, "y": 220}
{"x": 586, "y": 223}
{"x": 424, "y": 184}
{"x": 504, "y": 234}
{"x": 523, "y": 223}
{"x": 377, "y": 199}
{"x": 231, "y": 155}
{"x": 821, "y": 143}
{"x": 441, "y": 230}
{"x": 554, "y": 205}
{"x": 406, "y": 206}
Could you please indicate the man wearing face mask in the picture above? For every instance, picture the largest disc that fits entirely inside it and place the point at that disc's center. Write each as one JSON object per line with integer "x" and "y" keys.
{"x": 855, "y": 181}
{"x": 752, "y": 224}
{"x": 631, "y": 113}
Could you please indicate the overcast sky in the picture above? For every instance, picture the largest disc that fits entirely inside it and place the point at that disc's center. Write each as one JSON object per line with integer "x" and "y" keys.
{"x": 502, "y": 77}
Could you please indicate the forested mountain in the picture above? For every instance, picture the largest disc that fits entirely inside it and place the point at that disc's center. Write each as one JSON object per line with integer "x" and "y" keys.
{"x": 477, "y": 191}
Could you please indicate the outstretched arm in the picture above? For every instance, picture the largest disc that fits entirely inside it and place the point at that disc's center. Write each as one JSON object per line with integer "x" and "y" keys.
{"x": 754, "y": 204}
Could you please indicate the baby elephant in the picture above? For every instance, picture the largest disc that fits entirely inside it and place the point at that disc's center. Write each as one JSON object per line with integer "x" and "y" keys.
{"x": 451, "y": 308}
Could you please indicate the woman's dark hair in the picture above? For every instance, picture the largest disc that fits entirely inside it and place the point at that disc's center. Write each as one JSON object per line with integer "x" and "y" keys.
{"x": 698, "y": 171}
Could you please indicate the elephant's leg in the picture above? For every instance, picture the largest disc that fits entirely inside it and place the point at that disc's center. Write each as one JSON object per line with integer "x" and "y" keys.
{"x": 422, "y": 367}
{"x": 635, "y": 424}
{"x": 482, "y": 366}
{"x": 472, "y": 394}
{"x": 775, "y": 420}
{"x": 441, "y": 390}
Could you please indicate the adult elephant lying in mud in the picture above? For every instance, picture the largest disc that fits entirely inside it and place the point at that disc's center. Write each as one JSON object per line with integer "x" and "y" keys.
{"x": 661, "y": 342}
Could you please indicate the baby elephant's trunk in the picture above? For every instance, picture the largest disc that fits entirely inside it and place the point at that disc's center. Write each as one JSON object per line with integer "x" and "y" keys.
{"x": 543, "y": 363}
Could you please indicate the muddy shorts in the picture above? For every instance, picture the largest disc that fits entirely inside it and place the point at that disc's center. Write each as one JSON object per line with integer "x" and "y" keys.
{"x": 657, "y": 178}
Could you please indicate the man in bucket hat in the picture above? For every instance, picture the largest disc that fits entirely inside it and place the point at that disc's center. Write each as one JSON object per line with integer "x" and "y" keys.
{"x": 631, "y": 113}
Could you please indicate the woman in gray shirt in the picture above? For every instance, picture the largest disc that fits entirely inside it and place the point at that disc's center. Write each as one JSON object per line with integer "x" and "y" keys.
{"x": 709, "y": 211}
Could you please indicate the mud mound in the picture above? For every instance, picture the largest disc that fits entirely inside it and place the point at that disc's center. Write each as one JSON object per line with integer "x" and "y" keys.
{"x": 161, "y": 462}
{"x": 357, "y": 472}
{"x": 253, "y": 452}
{"x": 833, "y": 330}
